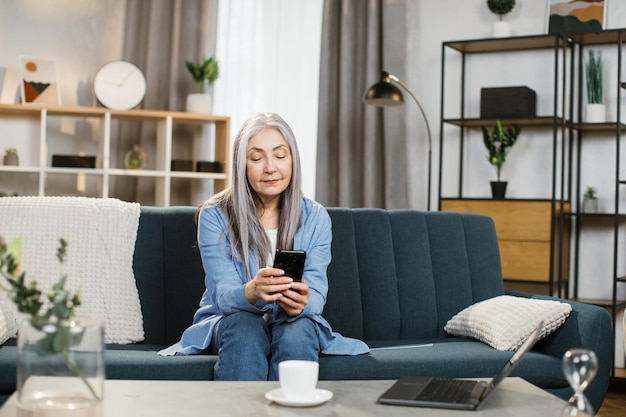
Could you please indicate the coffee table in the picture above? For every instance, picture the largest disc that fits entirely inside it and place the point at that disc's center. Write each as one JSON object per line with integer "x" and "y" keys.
{"x": 514, "y": 397}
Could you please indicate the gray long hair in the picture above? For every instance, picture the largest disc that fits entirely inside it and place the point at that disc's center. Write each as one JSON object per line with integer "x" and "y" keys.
{"x": 240, "y": 202}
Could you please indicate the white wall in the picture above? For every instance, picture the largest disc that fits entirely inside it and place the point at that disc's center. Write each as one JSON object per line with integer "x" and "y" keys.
{"x": 80, "y": 35}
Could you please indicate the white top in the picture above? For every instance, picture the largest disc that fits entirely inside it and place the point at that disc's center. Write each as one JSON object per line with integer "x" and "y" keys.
{"x": 272, "y": 235}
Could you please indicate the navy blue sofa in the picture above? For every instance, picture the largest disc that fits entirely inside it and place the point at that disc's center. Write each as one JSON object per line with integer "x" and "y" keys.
{"x": 396, "y": 278}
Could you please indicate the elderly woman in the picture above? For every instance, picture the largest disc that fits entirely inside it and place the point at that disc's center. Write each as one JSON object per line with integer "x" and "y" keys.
{"x": 251, "y": 314}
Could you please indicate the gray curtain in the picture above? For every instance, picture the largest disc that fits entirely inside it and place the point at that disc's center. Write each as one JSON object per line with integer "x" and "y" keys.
{"x": 362, "y": 152}
{"x": 159, "y": 37}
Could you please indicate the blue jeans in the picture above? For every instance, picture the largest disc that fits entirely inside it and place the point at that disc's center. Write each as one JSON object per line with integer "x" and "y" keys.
{"x": 250, "y": 350}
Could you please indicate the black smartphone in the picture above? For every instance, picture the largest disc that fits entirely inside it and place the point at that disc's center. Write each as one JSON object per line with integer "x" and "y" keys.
{"x": 290, "y": 261}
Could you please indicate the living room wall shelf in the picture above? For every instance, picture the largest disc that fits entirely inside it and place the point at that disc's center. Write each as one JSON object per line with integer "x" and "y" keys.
{"x": 541, "y": 121}
{"x": 512, "y": 44}
{"x": 41, "y": 143}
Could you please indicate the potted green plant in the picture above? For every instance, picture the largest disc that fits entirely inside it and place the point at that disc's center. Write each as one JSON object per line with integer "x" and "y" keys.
{"x": 10, "y": 157}
{"x": 590, "y": 200}
{"x": 204, "y": 74}
{"x": 595, "y": 109}
{"x": 498, "y": 143}
{"x": 500, "y": 29}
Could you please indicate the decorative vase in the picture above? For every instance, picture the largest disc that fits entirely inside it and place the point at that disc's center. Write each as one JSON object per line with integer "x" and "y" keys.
{"x": 590, "y": 205}
{"x": 500, "y": 29}
{"x": 136, "y": 158}
{"x": 11, "y": 160}
{"x": 595, "y": 113}
{"x": 498, "y": 189}
{"x": 199, "y": 103}
{"x": 60, "y": 367}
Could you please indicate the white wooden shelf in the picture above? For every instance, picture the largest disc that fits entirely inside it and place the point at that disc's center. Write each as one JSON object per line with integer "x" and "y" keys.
{"x": 39, "y": 119}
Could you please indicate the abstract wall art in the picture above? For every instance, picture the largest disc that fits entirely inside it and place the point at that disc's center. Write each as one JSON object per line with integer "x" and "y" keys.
{"x": 39, "y": 81}
{"x": 576, "y": 16}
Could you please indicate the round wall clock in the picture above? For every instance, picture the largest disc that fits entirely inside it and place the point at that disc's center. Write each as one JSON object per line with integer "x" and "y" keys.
{"x": 119, "y": 85}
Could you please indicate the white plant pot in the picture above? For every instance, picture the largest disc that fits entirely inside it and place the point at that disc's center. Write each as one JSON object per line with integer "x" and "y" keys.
{"x": 590, "y": 205}
{"x": 501, "y": 29}
{"x": 595, "y": 113}
{"x": 199, "y": 103}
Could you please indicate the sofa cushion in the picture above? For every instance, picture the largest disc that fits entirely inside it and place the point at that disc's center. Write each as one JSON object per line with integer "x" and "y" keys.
{"x": 450, "y": 357}
{"x": 142, "y": 362}
{"x": 504, "y": 322}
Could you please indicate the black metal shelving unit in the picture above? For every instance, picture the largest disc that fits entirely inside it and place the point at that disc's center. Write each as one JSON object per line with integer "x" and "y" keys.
{"x": 568, "y": 134}
{"x": 557, "y": 121}
{"x": 617, "y": 217}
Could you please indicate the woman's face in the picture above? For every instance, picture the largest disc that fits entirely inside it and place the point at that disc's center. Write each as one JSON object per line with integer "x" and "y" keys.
{"x": 268, "y": 165}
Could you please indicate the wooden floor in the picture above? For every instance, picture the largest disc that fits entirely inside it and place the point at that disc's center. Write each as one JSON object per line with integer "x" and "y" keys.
{"x": 614, "y": 405}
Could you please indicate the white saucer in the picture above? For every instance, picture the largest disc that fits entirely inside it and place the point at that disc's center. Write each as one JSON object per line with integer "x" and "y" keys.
{"x": 320, "y": 396}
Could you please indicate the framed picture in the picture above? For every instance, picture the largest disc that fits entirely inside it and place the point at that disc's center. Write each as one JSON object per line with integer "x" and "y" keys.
{"x": 576, "y": 16}
{"x": 39, "y": 81}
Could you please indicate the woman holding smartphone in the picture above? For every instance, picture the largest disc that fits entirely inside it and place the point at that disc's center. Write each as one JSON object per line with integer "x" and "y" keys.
{"x": 251, "y": 314}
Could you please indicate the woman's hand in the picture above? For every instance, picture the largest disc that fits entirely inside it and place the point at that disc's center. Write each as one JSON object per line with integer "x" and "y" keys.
{"x": 271, "y": 285}
{"x": 268, "y": 285}
{"x": 295, "y": 299}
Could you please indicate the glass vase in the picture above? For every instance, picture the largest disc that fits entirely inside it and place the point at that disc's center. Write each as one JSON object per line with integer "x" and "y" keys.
{"x": 60, "y": 368}
{"x": 136, "y": 158}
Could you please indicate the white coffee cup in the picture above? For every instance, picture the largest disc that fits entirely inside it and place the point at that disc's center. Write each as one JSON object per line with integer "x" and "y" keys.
{"x": 298, "y": 379}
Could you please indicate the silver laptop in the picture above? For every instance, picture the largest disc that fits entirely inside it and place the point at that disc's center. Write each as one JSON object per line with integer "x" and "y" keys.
{"x": 455, "y": 393}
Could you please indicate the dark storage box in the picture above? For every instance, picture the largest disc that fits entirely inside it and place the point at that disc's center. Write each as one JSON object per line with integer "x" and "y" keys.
{"x": 208, "y": 166}
{"x": 73, "y": 161}
{"x": 502, "y": 102}
{"x": 181, "y": 165}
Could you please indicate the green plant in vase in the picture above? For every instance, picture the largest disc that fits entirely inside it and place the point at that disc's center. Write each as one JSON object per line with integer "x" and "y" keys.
{"x": 500, "y": 29}
{"x": 46, "y": 313}
{"x": 10, "y": 157}
{"x": 498, "y": 143}
{"x": 203, "y": 72}
{"x": 500, "y": 7}
{"x": 590, "y": 200}
{"x": 595, "y": 109}
{"x": 593, "y": 72}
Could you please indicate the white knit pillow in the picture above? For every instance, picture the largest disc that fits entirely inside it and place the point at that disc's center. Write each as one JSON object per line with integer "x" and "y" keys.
{"x": 504, "y": 322}
{"x": 8, "y": 324}
{"x": 101, "y": 234}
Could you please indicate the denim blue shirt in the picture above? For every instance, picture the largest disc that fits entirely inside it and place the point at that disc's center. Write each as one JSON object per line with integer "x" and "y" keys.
{"x": 225, "y": 278}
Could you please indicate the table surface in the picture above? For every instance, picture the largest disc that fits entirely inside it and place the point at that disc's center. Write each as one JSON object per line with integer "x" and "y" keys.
{"x": 514, "y": 397}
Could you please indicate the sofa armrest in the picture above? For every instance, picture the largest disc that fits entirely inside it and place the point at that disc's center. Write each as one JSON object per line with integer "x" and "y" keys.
{"x": 588, "y": 327}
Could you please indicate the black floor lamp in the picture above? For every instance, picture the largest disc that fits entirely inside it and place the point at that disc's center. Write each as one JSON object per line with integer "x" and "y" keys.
{"x": 384, "y": 93}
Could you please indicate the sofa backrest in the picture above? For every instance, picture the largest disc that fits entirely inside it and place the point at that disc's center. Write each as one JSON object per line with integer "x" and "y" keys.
{"x": 394, "y": 274}
{"x": 402, "y": 274}
{"x": 168, "y": 271}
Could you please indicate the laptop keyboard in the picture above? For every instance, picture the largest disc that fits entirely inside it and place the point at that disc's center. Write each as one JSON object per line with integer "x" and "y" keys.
{"x": 449, "y": 390}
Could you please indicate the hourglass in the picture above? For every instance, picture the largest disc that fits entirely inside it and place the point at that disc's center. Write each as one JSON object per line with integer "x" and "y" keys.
{"x": 580, "y": 367}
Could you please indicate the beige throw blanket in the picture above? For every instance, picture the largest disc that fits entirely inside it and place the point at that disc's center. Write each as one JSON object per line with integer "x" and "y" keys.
{"x": 101, "y": 237}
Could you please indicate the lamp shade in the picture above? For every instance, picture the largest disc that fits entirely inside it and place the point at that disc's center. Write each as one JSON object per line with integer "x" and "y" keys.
{"x": 383, "y": 93}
